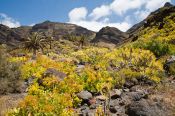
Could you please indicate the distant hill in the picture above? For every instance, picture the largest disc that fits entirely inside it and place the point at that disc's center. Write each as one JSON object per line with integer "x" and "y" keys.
{"x": 110, "y": 35}
{"x": 57, "y": 30}
{"x": 107, "y": 35}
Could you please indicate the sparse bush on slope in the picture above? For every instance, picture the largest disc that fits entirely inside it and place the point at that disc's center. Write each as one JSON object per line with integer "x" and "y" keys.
{"x": 9, "y": 75}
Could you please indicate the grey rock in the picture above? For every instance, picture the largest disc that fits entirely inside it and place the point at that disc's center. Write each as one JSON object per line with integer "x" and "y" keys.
{"x": 169, "y": 62}
{"x": 115, "y": 93}
{"x": 145, "y": 108}
{"x": 51, "y": 71}
{"x": 85, "y": 95}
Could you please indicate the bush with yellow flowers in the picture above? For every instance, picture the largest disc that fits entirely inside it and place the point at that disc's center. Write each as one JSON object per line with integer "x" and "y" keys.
{"x": 159, "y": 41}
{"x": 135, "y": 63}
{"x": 46, "y": 103}
{"x": 103, "y": 69}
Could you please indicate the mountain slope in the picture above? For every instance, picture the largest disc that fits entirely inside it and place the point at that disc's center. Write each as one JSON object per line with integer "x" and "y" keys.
{"x": 110, "y": 35}
{"x": 155, "y": 19}
{"x": 55, "y": 29}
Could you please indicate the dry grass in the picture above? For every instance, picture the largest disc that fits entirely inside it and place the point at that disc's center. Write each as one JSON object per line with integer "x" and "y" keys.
{"x": 9, "y": 101}
{"x": 165, "y": 93}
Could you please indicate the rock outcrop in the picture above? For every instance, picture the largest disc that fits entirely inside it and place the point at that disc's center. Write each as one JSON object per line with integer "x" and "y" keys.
{"x": 110, "y": 35}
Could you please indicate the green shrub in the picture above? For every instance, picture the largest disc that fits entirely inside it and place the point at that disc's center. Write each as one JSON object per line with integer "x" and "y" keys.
{"x": 157, "y": 47}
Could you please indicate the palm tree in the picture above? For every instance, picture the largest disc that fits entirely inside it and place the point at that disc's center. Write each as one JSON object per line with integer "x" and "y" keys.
{"x": 35, "y": 42}
{"x": 82, "y": 40}
{"x": 50, "y": 39}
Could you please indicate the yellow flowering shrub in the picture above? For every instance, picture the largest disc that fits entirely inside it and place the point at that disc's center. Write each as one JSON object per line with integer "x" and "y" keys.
{"x": 103, "y": 69}
{"x": 46, "y": 104}
{"x": 135, "y": 63}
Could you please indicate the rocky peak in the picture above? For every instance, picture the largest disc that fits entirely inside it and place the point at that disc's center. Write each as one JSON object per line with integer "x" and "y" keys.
{"x": 168, "y": 4}
{"x": 110, "y": 35}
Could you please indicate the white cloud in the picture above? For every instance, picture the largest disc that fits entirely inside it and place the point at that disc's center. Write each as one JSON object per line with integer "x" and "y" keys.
{"x": 76, "y": 18}
{"x": 154, "y": 4}
{"x": 122, "y": 6}
{"x": 8, "y": 21}
{"x": 141, "y": 14}
{"x": 96, "y": 26}
{"x": 100, "y": 12}
{"x": 32, "y": 24}
{"x": 78, "y": 14}
{"x": 128, "y": 10}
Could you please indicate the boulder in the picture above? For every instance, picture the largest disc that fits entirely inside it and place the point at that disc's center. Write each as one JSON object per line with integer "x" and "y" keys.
{"x": 101, "y": 98}
{"x": 136, "y": 96}
{"x": 115, "y": 93}
{"x": 145, "y": 108}
{"x": 131, "y": 83}
{"x": 84, "y": 95}
{"x": 170, "y": 65}
{"x": 51, "y": 71}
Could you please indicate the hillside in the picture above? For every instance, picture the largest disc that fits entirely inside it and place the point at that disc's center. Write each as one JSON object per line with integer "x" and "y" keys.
{"x": 66, "y": 76}
{"x": 111, "y": 35}
{"x": 12, "y": 36}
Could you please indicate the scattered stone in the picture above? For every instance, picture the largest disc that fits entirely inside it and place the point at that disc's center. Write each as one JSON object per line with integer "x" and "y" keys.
{"x": 84, "y": 95}
{"x": 101, "y": 97}
{"x": 79, "y": 68}
{"x": 29, "y": 81}
{"x": 51, "y": 71}
{"x": 131, "y": 83}
{"x": 115, "y": 93}
{"x": 126, "y": 90}
{"x": 21, "y": 54}
{"x": 170, "y": 62}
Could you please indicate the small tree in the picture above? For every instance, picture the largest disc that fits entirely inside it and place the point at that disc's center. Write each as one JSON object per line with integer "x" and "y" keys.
{"x": 35, "y": 42}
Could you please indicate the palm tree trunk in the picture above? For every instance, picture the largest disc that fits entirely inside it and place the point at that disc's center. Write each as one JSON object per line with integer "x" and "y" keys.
{"x": 34, "y": 54}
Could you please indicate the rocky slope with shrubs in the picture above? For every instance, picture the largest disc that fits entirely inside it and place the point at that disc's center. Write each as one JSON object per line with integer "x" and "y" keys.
{"x": 65, "y": 79}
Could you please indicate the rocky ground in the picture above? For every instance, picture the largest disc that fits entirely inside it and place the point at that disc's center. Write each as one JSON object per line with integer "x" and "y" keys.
{"x": 137, "y": 100}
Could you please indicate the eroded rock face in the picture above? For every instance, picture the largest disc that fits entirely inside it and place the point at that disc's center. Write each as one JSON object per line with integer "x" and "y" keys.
{"x": 8, "y": 36}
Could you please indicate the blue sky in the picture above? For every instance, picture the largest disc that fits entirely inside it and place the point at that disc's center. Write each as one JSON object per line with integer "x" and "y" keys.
{"x": 92, "y": 14}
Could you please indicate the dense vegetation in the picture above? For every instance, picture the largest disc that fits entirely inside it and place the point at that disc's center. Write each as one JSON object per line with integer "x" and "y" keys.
{"x": 86, "y": 67}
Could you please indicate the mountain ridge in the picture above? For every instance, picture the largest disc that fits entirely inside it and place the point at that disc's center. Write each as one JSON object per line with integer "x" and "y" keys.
{"x": 107, "y": 35}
